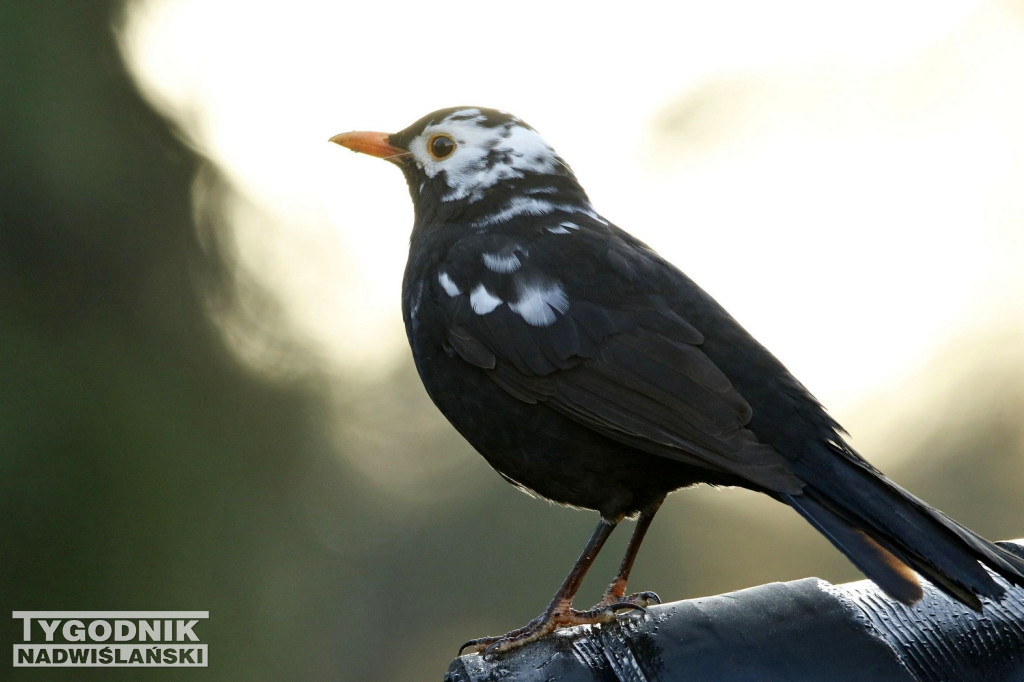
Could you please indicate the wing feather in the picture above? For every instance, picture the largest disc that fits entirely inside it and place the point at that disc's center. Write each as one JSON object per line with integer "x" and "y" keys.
{"x": 630, "y": 367}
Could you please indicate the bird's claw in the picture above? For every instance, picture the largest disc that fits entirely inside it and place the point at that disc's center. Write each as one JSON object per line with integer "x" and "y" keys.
{"x": 647, "y": 598}
{"x": 605, "y": 611}
{"x": 532, "y": 631}
{"x": 638, "y": 601}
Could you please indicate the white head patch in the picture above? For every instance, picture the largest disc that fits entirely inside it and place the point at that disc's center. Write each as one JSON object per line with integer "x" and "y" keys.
{"x": 484, "y": 155}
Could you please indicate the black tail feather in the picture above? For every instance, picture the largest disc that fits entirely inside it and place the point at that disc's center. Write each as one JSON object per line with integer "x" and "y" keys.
{"x": 883, "y": 529}
{"x": 888, "y": 572}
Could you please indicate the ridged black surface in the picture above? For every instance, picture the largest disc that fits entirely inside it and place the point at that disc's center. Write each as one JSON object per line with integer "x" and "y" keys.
{"x": 801, "y": 630}
{"x": 938, "y": 639}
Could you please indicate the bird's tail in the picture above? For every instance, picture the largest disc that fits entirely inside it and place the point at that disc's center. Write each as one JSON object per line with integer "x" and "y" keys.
{"x": 885, "y": 531}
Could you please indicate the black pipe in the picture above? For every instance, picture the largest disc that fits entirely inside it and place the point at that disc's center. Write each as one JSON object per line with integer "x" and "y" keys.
{"x": 801, "y": 630}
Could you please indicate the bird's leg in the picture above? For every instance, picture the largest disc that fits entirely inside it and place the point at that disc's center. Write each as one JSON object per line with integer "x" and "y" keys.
{"x": 615, "y": 598}
{"x": 559, "y": 613}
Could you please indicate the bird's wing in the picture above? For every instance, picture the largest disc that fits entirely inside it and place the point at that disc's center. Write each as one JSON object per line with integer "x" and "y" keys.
{"x": 585, "y": 328}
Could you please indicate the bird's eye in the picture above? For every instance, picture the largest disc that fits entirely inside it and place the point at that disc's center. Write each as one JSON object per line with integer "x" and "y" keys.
{"x": 441, "y": 146}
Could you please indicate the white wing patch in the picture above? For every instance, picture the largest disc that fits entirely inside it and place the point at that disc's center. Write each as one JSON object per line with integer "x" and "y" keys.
{"x": 483, "y": 301}
{"x": 450, "y": 287}
{"x": 538, "y": 302}
{"x": 502, "y": 263}
{"x": 565, "y": 227}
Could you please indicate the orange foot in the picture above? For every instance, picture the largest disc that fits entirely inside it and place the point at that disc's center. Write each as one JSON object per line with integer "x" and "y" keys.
{"x": 560, "y": 614}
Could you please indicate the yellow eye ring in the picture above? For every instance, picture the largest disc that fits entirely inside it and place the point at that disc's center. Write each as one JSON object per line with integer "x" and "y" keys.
{"x": 441, "y": 146}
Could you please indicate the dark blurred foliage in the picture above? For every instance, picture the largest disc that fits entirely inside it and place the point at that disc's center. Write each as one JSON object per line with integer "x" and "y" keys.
{"x": 144, "y": 467}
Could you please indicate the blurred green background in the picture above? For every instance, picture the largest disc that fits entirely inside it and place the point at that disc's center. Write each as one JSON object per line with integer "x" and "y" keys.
{"x": 145, "y": 466}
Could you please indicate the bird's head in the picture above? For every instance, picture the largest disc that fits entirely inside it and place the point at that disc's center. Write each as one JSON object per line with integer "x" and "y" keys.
{"x": 467, "y": 163}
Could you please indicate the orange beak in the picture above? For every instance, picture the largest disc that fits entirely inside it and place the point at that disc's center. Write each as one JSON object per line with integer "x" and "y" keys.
{"x": 374, "y": 144}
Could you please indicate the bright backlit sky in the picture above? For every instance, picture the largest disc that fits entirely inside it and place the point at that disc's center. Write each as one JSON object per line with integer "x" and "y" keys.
{"x": 843, "y": 177}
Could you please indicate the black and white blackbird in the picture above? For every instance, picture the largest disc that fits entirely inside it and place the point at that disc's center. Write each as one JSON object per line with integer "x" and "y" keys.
{"x": 590, "y": 371}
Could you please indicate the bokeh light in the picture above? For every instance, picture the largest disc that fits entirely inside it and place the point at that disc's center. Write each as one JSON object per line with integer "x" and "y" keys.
{"x": 822, "y": 171}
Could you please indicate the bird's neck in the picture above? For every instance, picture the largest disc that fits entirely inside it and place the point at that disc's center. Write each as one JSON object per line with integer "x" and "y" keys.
{"x": 517, "y": 199}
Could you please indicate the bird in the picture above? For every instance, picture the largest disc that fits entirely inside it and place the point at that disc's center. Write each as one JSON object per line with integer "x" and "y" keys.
{"x": 588, "y": 370}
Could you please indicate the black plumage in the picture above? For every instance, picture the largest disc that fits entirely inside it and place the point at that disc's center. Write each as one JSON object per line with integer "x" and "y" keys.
{"x": 587, "y": 369}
